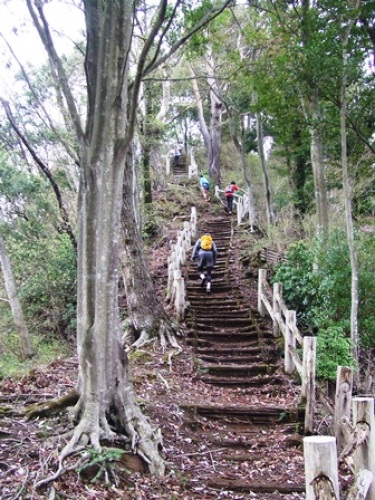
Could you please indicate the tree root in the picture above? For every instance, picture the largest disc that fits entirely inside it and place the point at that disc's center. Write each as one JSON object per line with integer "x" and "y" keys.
{"x": 167, "y": 333}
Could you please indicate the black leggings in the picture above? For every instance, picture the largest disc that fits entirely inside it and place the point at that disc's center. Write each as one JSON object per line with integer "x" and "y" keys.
{"x": 230, "y": 203}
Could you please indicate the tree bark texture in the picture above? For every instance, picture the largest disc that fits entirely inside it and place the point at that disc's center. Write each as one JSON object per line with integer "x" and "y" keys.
{"x": 262, "y": 160}
{"x": 106, "y": 392}
{"x": 147, "y": 316}
{"x": 317, "y": 162}
{"x": 213, "y": 160}
{"x": 15, "y": 304}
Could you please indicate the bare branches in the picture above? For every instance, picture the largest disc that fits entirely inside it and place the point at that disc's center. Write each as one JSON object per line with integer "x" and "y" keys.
{"x": 47, "y": 173}
{"x": 45, "y": 36}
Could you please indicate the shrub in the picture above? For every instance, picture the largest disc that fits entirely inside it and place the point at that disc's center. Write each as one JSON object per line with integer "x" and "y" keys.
{"x": 333, "y": 350}
{"x": 45, "y": 268}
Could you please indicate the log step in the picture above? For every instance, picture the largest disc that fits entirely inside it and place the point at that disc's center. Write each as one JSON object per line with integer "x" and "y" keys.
{"x": 255, "y": 486}
{"x": 241, "y": 381}
{"x": 248, "y": 414}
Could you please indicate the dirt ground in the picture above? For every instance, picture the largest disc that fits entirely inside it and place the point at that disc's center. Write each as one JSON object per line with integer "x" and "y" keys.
{"x": 29, "y": 449}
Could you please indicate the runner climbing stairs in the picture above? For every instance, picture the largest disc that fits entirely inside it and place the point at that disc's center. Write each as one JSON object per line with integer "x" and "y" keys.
{"x": 249, "y": 423}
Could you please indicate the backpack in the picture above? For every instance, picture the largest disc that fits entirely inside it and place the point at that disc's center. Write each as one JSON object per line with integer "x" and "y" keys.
{"x": 206, "y": 242}
{"x": 206, "y": 185}
{"x": 228, "y": 189}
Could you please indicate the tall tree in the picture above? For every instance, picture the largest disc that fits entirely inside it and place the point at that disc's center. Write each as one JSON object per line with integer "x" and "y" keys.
{"x": 104, "y": 385}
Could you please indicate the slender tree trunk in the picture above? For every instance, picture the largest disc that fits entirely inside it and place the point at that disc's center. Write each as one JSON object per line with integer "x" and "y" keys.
{"x": 311, "y": 106}
{"x": 348, "y": 196}
{"x": 270, "y": 214}
{"x": 247, "y": 174}
{"x": 27, "y": 350}
{"x": 202, "y": 122}
{"x": 213, "y": 160}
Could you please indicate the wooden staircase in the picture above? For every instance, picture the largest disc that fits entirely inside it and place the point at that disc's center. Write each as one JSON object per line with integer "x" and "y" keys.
{"x": 235, "y": 351}
{"x": 180, "y": 165}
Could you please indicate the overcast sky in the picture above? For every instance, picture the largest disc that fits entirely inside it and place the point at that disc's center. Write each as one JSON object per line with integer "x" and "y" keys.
{"x": 15, "y": 26}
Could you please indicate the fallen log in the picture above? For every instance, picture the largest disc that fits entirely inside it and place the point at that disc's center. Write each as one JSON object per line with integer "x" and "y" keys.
{"x": 50, "y": 407}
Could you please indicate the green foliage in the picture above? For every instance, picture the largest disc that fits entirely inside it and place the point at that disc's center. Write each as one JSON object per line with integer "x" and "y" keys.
{"x": 42, "y": 258}
{"x": 299, "y": 281}
{"x": 100, "y": 463}
{"x": 47, "y": 350}
{"x": 333, "y": 350}
{"x": 316, "y": 283}
{"x": 45, "y": 268}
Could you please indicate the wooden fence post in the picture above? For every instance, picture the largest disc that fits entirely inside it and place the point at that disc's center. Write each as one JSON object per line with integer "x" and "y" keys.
{"x": 321, "y": 468}
{"x": 262, "y": 276}
{"x": 364, "y": 457}
{"x": 179, "y": 287}
{"x": 240, "y": 210}
{"x": 193, "y": 222}
{"x": 187, "y": 236}
{"x": 343, "y": 401}
{"x": 277, "y": 294}
{"x": 290, "y": 340}
{"x": 308, "y": 380}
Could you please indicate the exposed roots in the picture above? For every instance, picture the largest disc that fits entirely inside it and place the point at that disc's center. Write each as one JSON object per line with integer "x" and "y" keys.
{"x": 167, "y": 333}
{"x": 142, "y": 340}
{"x": 146, "y": 440}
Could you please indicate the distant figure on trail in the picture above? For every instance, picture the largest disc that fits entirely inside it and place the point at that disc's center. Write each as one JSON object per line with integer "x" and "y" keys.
{"x": 205, "y": 187}
{"x": 176, "y": 154}
{"x": 205, "y": 251}
{"x": 229, "y": 194}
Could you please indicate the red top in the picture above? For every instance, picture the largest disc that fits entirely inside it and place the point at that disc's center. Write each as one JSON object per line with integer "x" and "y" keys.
{"x": 234, "y": 188}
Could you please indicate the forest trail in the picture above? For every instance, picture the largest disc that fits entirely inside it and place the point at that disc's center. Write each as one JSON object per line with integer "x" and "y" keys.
{"x": 254, "y": 427}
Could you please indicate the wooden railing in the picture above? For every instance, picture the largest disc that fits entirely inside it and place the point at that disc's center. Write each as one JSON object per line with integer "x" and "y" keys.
{"x": 284, "y": 322}
{"x": 322, "y": 453}
{"x": 356, "y": 439}
{"x": 177, "y": 257}
{"x": 241, "y": 202}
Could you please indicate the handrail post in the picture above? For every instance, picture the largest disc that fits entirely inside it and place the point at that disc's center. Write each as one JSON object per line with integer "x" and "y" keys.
{"x": 343, "y": 400}
{"x": 321, "y": 472}
{"x": 290, "y": 340}
{"x": 179, "y": 287}
{"x": 364, "y": 457}
{"x": 262, "y": 276}
{"x": 277, "y": 294}
{"x": 308, "y": 380}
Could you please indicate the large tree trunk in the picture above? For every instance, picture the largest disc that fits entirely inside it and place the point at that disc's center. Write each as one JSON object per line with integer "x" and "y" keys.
{"x": 27, "y": 350}
{"x": 147, "y": 318}
{"x": 105, "y": 389}
{"x": 106, "y": 393}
